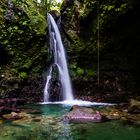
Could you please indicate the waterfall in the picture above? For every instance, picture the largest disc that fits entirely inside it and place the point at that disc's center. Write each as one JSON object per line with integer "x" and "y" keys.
{"x": 57, "y": 49}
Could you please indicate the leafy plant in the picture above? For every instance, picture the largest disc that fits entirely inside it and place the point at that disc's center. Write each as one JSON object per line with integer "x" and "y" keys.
{"x": 22, "y": 75}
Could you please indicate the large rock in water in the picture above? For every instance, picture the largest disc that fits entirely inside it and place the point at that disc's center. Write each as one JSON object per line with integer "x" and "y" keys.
{"x": 79, "y": 114}
{"x": 134, "y": 106}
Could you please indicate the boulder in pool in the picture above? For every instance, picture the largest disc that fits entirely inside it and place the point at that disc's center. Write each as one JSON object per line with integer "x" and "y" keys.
{"x": 79, "y": 114}
{"x": 134, "y": 106}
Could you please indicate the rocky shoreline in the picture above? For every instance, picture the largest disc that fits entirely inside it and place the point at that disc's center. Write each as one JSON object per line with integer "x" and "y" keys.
{"x": 127, "y": 113}
{"x": 30, "y": 90}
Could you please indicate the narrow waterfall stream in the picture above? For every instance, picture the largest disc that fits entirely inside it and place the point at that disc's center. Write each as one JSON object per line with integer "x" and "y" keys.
{"x": 59, "y": 62}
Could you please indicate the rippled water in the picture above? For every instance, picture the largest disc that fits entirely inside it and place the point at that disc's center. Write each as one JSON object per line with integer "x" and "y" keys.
{"x": 46, "y": 124}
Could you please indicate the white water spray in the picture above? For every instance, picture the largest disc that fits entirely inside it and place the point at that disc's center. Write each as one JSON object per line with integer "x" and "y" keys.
{"x": 56, "y": 46}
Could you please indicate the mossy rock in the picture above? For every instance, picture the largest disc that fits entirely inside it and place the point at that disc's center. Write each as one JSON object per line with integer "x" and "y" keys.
{"x": 134, "y": 106}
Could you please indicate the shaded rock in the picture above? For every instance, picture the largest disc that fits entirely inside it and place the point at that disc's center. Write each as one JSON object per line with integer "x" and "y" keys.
{"x": 132, "y": 119}
{"x": 116, "y": 112}
{"x": 111, "y": 113}
{"x": 28, "y": 119}
{"x": 134, "y": 106}
{"x": 16, "y": 116}
{"x": 11, "y": 102}
{"x": 55, "y": 14}
{"x": 12, "y": 116}
{"x": 8, "y": 105}
{"x": 4, "y": 109}
{"x": 79, "y": 114}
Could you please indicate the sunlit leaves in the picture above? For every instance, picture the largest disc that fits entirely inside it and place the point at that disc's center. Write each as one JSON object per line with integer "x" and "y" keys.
{"x": 22, "y": 37}
{"x": 49, "y": 5}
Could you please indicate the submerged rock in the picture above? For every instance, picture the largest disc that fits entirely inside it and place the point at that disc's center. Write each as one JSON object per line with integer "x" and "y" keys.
{"x": 16, "y": 116}
{"x": 79, "y": 114}
{"x": 12, "y": 116}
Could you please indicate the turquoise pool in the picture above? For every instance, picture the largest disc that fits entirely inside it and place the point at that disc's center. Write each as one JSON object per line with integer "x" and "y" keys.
{"x": 46, "y": 124}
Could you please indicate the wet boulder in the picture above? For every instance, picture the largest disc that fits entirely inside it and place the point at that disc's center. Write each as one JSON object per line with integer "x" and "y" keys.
{"x": 134, "y": 106}
{"x": 79, "y": 114}
{"x": 11, "y": 116}
{"x": 16, "y": 116}
{"x": 112, "y": 113}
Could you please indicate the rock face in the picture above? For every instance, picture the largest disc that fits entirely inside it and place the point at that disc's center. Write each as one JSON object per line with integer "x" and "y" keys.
{"x": 82, "y": 115}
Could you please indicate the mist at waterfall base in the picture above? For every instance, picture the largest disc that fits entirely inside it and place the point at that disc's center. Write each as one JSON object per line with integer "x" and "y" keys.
{"x": 59, "y": 63}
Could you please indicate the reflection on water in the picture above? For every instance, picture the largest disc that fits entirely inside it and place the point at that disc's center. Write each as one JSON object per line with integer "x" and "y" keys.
{"x": 47, "y": 125}
{"x": 65, "y": 132}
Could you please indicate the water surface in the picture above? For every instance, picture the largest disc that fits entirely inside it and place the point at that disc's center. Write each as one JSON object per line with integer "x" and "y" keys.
{"x": 46, "y": 124}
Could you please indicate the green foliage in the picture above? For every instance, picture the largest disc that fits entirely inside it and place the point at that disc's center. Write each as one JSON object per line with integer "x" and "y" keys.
{"x": 23, "y": 38}
{"x": 22, "y": 75}
{"x": 49, "y": 5}
{"x": 79, "y": 71}
{"x": 90, "y": 25}
{"x": 36, "y": 19}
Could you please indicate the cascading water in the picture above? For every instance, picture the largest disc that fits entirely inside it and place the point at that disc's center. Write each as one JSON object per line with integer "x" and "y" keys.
{"x": 57, "y": 49}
